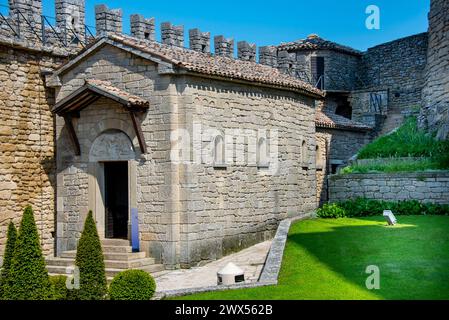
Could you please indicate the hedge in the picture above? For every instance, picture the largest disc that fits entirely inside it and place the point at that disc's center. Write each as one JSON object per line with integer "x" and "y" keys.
{"x": 362, "y": 207}
{"x": 28, "y": 277}
{"x": 90, "y": 261}
{"x": 60, "y": 291}
{"x": 11, "y": 238}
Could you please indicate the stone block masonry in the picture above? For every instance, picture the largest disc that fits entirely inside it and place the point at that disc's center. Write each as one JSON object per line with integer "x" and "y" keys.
{"x": 435, "y": 114}
{"x": 143, "y": 28}
{"x": 172, "y": 35}
{"x": 27, "y": 164}
{"x": 422, "y": 186}
{"x": 199, "y": 41}
{"x": 246, "y": 51}
{"x": 224, "y": 47}
{"x": 108, "y": 20}
{"x": 268, "y": 56}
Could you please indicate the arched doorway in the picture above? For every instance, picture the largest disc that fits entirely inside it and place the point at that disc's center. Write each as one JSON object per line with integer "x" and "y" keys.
{"x": 111, "y": 156}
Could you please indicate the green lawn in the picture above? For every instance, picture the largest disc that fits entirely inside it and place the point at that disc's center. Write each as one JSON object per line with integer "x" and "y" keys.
{"x": 327, "y": 259}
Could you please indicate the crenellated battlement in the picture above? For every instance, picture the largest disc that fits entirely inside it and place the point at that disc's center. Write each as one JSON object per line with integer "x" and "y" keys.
{"x": 69, "y": 31}
{"x": 143, "y": 28}
{"x": 199, "y": 41}
{"x": 172, "y": 35}
{"x": 224, "y": 47}
{"x": 108, "y": 20}
{"x": 246, "y": 51}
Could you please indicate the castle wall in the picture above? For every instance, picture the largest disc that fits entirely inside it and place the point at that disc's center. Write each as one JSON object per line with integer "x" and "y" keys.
{"x": 335, "y": 147}
{"x": 428, "y": 187}
{"x": 339, "y": 68}
{"x": 225, "y": 209}
{"x": 27, "y": 164}
{"x": 189, "y": 212}
{"x": 435, "y": 114}
{"x": 153, "y": 173}
{"x": 398, "y": 67}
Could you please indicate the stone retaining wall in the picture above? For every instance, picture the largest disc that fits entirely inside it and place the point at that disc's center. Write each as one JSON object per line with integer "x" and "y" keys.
{"x": 423, "y": 186}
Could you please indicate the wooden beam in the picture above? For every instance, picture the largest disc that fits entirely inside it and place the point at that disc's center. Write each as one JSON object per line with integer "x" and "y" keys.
{"x": 72, "y": 134}
{"x": 138, "y": 130}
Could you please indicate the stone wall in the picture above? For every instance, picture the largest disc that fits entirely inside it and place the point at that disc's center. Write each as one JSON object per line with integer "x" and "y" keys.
{"x": 435, "y": 114}
{"x": 334, "y": 149}
{"x": 189, "y": 212}
{"x": 398, "y": 67}
{"x": 226, "y": 209}
{"x": 423, "y": 186}
{"x": 140, "y": 77}
{"x": 340, "y": 69}
{"x": 27, "y": 164}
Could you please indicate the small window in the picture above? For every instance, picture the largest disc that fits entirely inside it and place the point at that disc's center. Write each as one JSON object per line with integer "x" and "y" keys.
{"x": 219, "y": 152}
{"x": 304, "y": 154}
{"x": 317, "y": 66}
{"x": 147, "y": 35}
{"x": 203, "y": 48}
{"x": 319, "y": 158}
{"x": 262, "y": 153}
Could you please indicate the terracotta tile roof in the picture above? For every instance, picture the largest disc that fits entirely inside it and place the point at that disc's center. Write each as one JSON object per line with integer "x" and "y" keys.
{"x": 105, "y": 86}
{"x": 316, "y": 43}
{"x": 326, "y": 119}
{"x": 91, "y": 91}
{"x": 218, "y": 66}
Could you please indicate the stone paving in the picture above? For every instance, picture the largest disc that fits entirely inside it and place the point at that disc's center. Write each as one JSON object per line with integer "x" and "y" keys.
{"x": 251, "y": 260}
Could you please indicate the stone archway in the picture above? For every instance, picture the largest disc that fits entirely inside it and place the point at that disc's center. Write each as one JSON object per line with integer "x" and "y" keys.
{"x": 112, "y": 145}
{"x": 112, "y": 148}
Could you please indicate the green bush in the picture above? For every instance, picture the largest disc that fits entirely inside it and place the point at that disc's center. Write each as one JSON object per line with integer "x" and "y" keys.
{"x": 59, "y": 287}
{"x": 331, "y": 211}
{"x": 362, "y": 207}
{"x": 132, "y": 285}
{"x": 89, "y": 260}
{"x": 11, "y": 238}
{"x": 28, "y": 277}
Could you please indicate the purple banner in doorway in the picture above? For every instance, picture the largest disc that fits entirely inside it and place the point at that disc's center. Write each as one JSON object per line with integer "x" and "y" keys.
{"x": 135, "y": 230}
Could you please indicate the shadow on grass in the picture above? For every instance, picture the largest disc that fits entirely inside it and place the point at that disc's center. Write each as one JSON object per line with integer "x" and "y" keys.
{"x": 413, "y": 257}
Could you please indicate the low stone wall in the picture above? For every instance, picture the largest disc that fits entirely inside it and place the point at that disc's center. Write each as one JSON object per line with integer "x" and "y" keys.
{"x": 422, "y": 186}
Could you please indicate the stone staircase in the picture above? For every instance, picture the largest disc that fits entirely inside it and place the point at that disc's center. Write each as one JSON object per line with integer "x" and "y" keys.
{"x": 394, "y": 120}
{"x": 118, "y": 256}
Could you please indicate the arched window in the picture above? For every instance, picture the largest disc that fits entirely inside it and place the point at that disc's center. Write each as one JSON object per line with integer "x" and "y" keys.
{"x": 319, "y": 158}
{"x": 262, "y": 152}
{"x": 219, "y": 150}
{"x": 304, "y": 154}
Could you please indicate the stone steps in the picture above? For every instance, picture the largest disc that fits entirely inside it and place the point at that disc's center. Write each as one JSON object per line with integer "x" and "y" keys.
{"x": 118, "y": 256}
{"x": 127, "y": 256}
{"x": 114, "y": 264}
{"x": 394, "y": 120}
{"x": 110, "y": 272}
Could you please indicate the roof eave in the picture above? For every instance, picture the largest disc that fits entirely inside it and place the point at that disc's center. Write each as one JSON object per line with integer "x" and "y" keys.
{"x": 183, "y": 71}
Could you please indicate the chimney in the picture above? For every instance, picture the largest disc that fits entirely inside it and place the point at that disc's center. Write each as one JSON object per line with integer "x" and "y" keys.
{"x": 142, "y": 28}
{"x": 199, "y": 41}
{"x": 224, "y": 47}
{"x": 172, "y": 35}
{"x": 70, "y": 18}
{"x": 108, "y": 20}
{"x": 246, "y": 51}
{"x": 268, "y": 56}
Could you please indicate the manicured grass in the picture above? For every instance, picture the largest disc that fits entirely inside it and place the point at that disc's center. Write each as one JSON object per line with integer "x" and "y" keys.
{"x": 327, "y": 259}
{"x": 397, "y": 165}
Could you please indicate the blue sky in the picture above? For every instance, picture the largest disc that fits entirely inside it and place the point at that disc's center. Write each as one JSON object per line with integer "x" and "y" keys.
{"x": 272, "y": 22}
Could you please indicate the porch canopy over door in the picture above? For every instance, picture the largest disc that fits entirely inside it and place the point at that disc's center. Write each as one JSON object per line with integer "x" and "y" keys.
{"x": 91, "y": 91}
